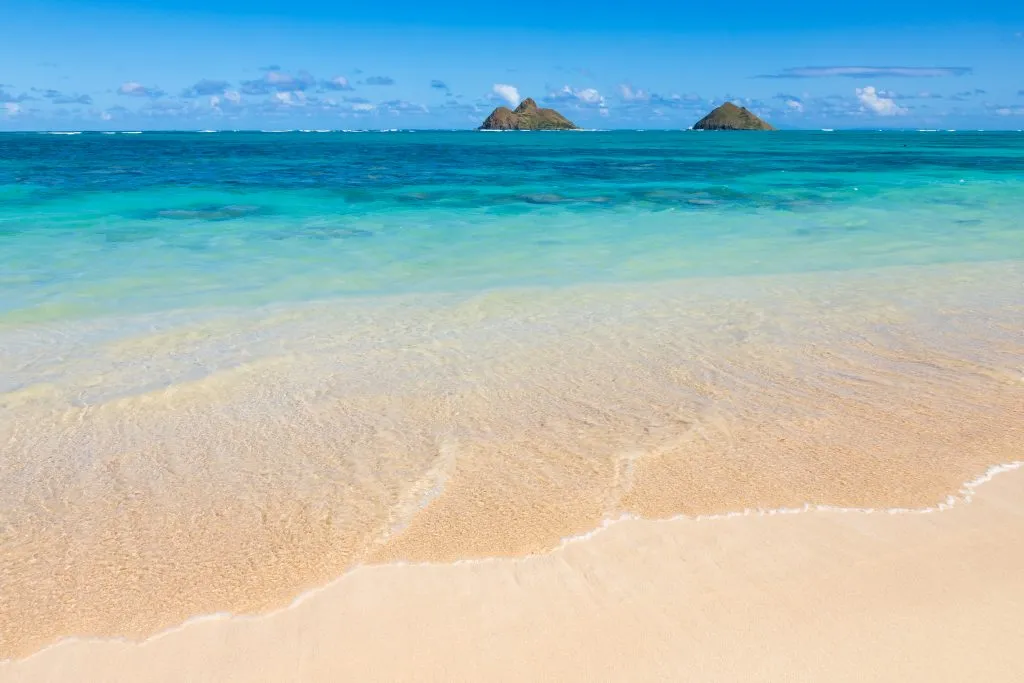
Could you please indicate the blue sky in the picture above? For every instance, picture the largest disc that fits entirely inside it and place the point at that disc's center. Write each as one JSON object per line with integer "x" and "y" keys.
{"x": 196, "y": 64}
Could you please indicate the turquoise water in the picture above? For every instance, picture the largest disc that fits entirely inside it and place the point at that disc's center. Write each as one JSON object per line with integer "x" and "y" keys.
{"x": 96, "y": 224}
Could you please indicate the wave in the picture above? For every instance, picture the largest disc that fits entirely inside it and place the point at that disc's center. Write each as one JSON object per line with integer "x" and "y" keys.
{"x": 966, "y": 495}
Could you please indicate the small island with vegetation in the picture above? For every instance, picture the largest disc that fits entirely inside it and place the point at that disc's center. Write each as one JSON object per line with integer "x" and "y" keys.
{"x": 527, "y": 116}
{"x": 731, "y": 117}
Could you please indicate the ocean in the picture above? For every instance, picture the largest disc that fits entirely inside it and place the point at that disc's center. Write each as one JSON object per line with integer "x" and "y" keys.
{"x": 112, "y": 224}
{"x": 236, "y": 365}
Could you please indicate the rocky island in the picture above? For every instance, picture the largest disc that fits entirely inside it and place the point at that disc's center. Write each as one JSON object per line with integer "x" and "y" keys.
{"x": 731, "y": 117}
{"x": 527, "y": 116}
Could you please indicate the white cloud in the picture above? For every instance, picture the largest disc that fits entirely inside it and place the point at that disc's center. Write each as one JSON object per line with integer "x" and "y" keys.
{"x": 637, "y": 96}
{"x": 509, "y": 93}
{"x": 136, "y": 89}
{"x": 871, "y": 72}
{"x": 278, "y": 78}
{"x": 336, "y": 83}
{"x": 278, "y": 81}
{"x": 106, "y": 115}
{"x": 363, "y": 106}
{"x": 288, "y": 98}
{"x": 229, "y": 102}
{"x": 586, "y": 96}
{"x": 795, "y": 105}
{"x": 12, "y": 108}
{"x": 630, "y": 95}
{"x": 875, "y": 101}
{"x": 404, "y": 106}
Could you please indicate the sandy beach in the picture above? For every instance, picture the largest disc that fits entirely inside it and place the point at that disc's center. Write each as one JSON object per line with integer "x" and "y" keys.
{"x": 809, "y": 596}
{"x": 366, "y": 443}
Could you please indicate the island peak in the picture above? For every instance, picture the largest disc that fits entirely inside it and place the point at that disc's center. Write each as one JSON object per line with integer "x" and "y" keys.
{"x": 527, "y": 116}
{"x": 730, "y": 117}
{"x": 529, "y": 104}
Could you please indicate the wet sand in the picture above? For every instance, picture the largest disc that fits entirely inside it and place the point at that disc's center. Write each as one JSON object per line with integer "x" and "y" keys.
{"x": 813, "y": 596}
{"x": 170, "y": 470}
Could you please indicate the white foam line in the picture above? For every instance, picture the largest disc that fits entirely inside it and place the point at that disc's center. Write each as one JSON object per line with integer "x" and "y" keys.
{"x": 963, "y": 496}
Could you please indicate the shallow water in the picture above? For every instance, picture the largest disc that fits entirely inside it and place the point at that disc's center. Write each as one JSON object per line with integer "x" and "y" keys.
{"x": 234, "y": 365}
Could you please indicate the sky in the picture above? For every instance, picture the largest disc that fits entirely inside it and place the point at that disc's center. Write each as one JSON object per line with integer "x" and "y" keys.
{"x": 274, "y": 64}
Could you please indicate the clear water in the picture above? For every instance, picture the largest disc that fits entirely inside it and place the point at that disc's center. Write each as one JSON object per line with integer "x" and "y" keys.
{"x": 98, "y": 224}
{"x": 235, "y": 365}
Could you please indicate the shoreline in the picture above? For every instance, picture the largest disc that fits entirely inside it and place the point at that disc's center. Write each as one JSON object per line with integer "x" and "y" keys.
{"x": 963, "y": 498}
{"x": 497, "y": 427}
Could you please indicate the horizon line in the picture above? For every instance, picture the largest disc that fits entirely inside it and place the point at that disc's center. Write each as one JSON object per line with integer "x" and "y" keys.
{"x": 69, "y": 131}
